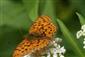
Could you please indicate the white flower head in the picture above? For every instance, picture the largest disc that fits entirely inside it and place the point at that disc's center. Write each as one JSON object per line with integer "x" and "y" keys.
{"x": 81, "y": 33}
{"x": 57, "y": 50}
{"x": 83, "y": 30}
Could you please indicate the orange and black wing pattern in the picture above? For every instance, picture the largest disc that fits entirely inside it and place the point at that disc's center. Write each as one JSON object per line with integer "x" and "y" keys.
{"x": 29, "y": 47}
{"x": 43, "y": 26}
{"x": 22, "y": 48}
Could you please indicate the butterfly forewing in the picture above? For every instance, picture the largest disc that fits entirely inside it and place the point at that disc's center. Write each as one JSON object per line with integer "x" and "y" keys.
{"x": 43, "y": 26}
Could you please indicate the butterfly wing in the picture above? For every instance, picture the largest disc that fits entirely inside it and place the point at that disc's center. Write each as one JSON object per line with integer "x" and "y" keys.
{"x": 30, "y": 47}
{"x": 43, "y": 26}
{"x": 22, "y": 48}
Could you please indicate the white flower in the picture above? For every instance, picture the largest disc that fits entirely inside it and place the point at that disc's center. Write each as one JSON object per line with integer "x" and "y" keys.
{"x": 55, "y": 55}
{"x": 63, "y": 50}
{"x": 48, "y": 54}
{"x": 57, "y": 50}
{"x": 58, "y": 40}
{"x": 83, "y": 27}
{"x": 81, "y": 33}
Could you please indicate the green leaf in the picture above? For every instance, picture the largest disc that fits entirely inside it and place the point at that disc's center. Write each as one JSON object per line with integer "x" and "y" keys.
{"x": 49, "y": 9}
{"x": 31, "y": 8}
{"x": 9, "y": 38}
{"x": 13, "y": 14}
{"x": 41, "y": 8}
{"x": 70, "y": 39}
{"x": 81, "y": 18}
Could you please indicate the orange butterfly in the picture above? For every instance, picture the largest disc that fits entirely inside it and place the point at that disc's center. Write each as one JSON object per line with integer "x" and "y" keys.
{"x": 42, "y": 27}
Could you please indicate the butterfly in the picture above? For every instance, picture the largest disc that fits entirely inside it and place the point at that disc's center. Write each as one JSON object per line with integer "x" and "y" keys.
{"x": 44, "y": 29}
{"x": 30, "y": 47}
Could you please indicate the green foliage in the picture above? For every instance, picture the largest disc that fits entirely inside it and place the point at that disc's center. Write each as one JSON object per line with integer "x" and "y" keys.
{"x": 70, "y": 39}
{"x": 81, "y": 18}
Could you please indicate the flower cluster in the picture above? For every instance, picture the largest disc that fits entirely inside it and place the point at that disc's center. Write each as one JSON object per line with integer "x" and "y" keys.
{"x": 81, "y": 33}
{"x": 56, "y": 50}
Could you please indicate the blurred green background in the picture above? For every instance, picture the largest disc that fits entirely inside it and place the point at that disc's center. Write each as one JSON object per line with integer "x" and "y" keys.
{"x": 16, "y": 16}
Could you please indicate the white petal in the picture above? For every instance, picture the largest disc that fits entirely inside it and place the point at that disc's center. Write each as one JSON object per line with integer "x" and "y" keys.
{"x": 48, "y": 55}
{"x": 58, "y": 46}
{"x": 79, "y": 34}
{"x": 83, "y": 42}
{"x": 55, "y": 55}
{"x": 83, "y": 27}
{"x": 58, "y": 39}
{"x": 63, "y": 50}
{"x": 84, "y": 47}
{"x": 61, "y": 56}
